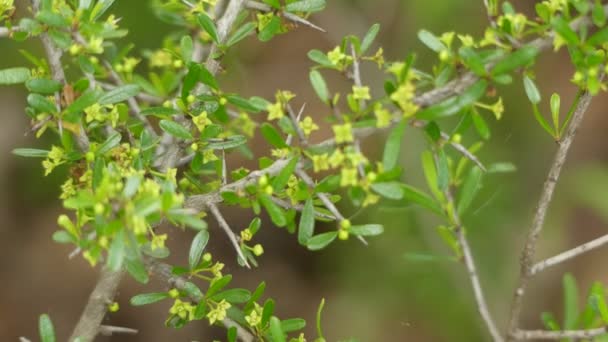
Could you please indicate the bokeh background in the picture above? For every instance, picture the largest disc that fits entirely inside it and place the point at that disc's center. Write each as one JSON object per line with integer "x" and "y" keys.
{"x": 373, "y": 293}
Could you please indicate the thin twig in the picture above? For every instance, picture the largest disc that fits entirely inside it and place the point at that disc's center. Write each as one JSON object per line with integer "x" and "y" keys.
{"x": 469, "y": 263}
{"x": 569, "y": 254}
{"x": 295, "y": 119}
{"x": 558, "y": 335}
{"x": 527, "y": 255}
{"x": 95, "y": 310}
{"x": 109, "y": 330}
{"x": 299, "y": 207}
{"x": 164, "y": 272}
{"x": 326, "y": 201}
{"x": 258, "y": 6}
{"x": 233, "y": 239}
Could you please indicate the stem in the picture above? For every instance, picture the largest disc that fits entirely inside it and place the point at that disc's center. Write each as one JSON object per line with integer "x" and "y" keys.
{"x": 569, "y": 254}
{"x": 527, "y": 255}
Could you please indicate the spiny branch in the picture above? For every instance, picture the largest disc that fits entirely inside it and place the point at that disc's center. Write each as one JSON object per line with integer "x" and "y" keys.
{"x": 558, "y": 335}
{"x": 569, "y": 254}
{"x": 527, "y": 255}
{"x": 233, "y": 239}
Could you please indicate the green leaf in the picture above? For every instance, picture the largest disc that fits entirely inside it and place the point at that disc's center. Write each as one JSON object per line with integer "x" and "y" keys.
{"x": 480, "y": 125}
{"x": 85, "y": 100}
{"x": 276, "y": 213}
{"x": 320, "y": 58}
{"x": 217, "y": 284}
{"x": 309, "y": 6}
{"x": 469, "y": 189}
{"x": 276, "y": 333}
{"x": 274, "y": 3}
{"x": 116, "y": 253}
{"x": 455, "y": 104}
{"x": 292, "y": 324}
{"x": 501, "y": 168}
{"x": 148, "y": 298}
{"x": 30, "y": 152}
{"x": 392, "y": 148}
{"x": 14, "y": 75}
{"x": 160, "y": 112}
{"x": 233, "y": 296}
{"x": 41, "y": 103}
{"x": 321, "y": 241}
{"x": 43, "y": 86}
{"x": 531, "y": 90}
{"x": 443, "y": 172}
{"x": 197, "y": 247}
{"x": 390, "y": 190}
{"x": 598, "y": 299}
{"x": 209, "y": 26}
{"x": 472, "y": 60}
{"x": 46, "y": 329}
{"x": 137, "y": 270}
{"x": 100, "y": 8}
{"x": 227, "y": 143}
{"x": 416, "y": 196}
{"x": 186, "y": 47}
{"x": 61, "y": 236}
{"x": 270, "y": 30}
{"x": 555, "y": 106}
{"x": 319, "y": 85}
{"x": 272, "y": 136}
{"x": 267, "y": 311}
{"x": 519, "y": 58}
{"x": 175, "y": 129}
{"x": 112, "y": 141}
{"x": 562, "y": 27}
{"x": 307, "y": 223}
{"x": 280, "y": 181}
{"x": 570, "y": 301}
{"x": 598, "y": 15}
{"x": 367, "y": 229}
{"x": 52, "y": 19}
{"x": 119, "y": 94}
{"x": 369, "y": 38}
{"x": 598, "y": 38}
{"x": 542, "y": 121}
{"x": 431, "y": 41}
{"x": 241, "y": 33}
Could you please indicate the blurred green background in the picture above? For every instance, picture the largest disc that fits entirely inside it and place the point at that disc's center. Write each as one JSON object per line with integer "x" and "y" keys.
{"x": 373, "y": 293}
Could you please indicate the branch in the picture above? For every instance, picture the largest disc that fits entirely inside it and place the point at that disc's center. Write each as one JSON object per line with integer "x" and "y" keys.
{"x": 233, "y": 239}
{"x": 89, "y": 323}
{"x": 569, "y": 254}
{"x": 482, "y": 306}
{"x": 558, "y": 335}
{"x": 258, "y": 6}
{"x": 163, "y": 271}
{"x": 109, "y": 330}
{"x": 527, "y": 255}
{"x": 326, "y": 201}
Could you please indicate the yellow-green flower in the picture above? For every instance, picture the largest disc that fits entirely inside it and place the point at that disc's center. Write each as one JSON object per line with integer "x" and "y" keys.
{"x": 404, "y": 96}
{"x": 95, "y": 45}
{"x": 466, "y": 40}
{"x": 336, "y": 56}
{"x": 160, "y": 59}
{"x": 447, "y": 38}
{"x": 54, "y": 159}
{"x": 201, "y": 121}
{"x": 67, "y": 189}
{"x": 336, "y": 159}
{"x": 254, "y": 318}
{"x": 246, "y": 235}
{"x": 216, "y": 269}
{"x": 320, "y": 162}
{"x": 275, "y": 111}
{"x": 383, "y": 116}
{"x": 308, "y": 126}
{"x": 361, "y": 93}
{"x": 182, "y": 310}
{"x": 158, "y": 241}
{"x": 498, "y": 108}
{"x": 343, "y": 133}
{"x": 348, "y": 176}
{"x": 219, "y": 312}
